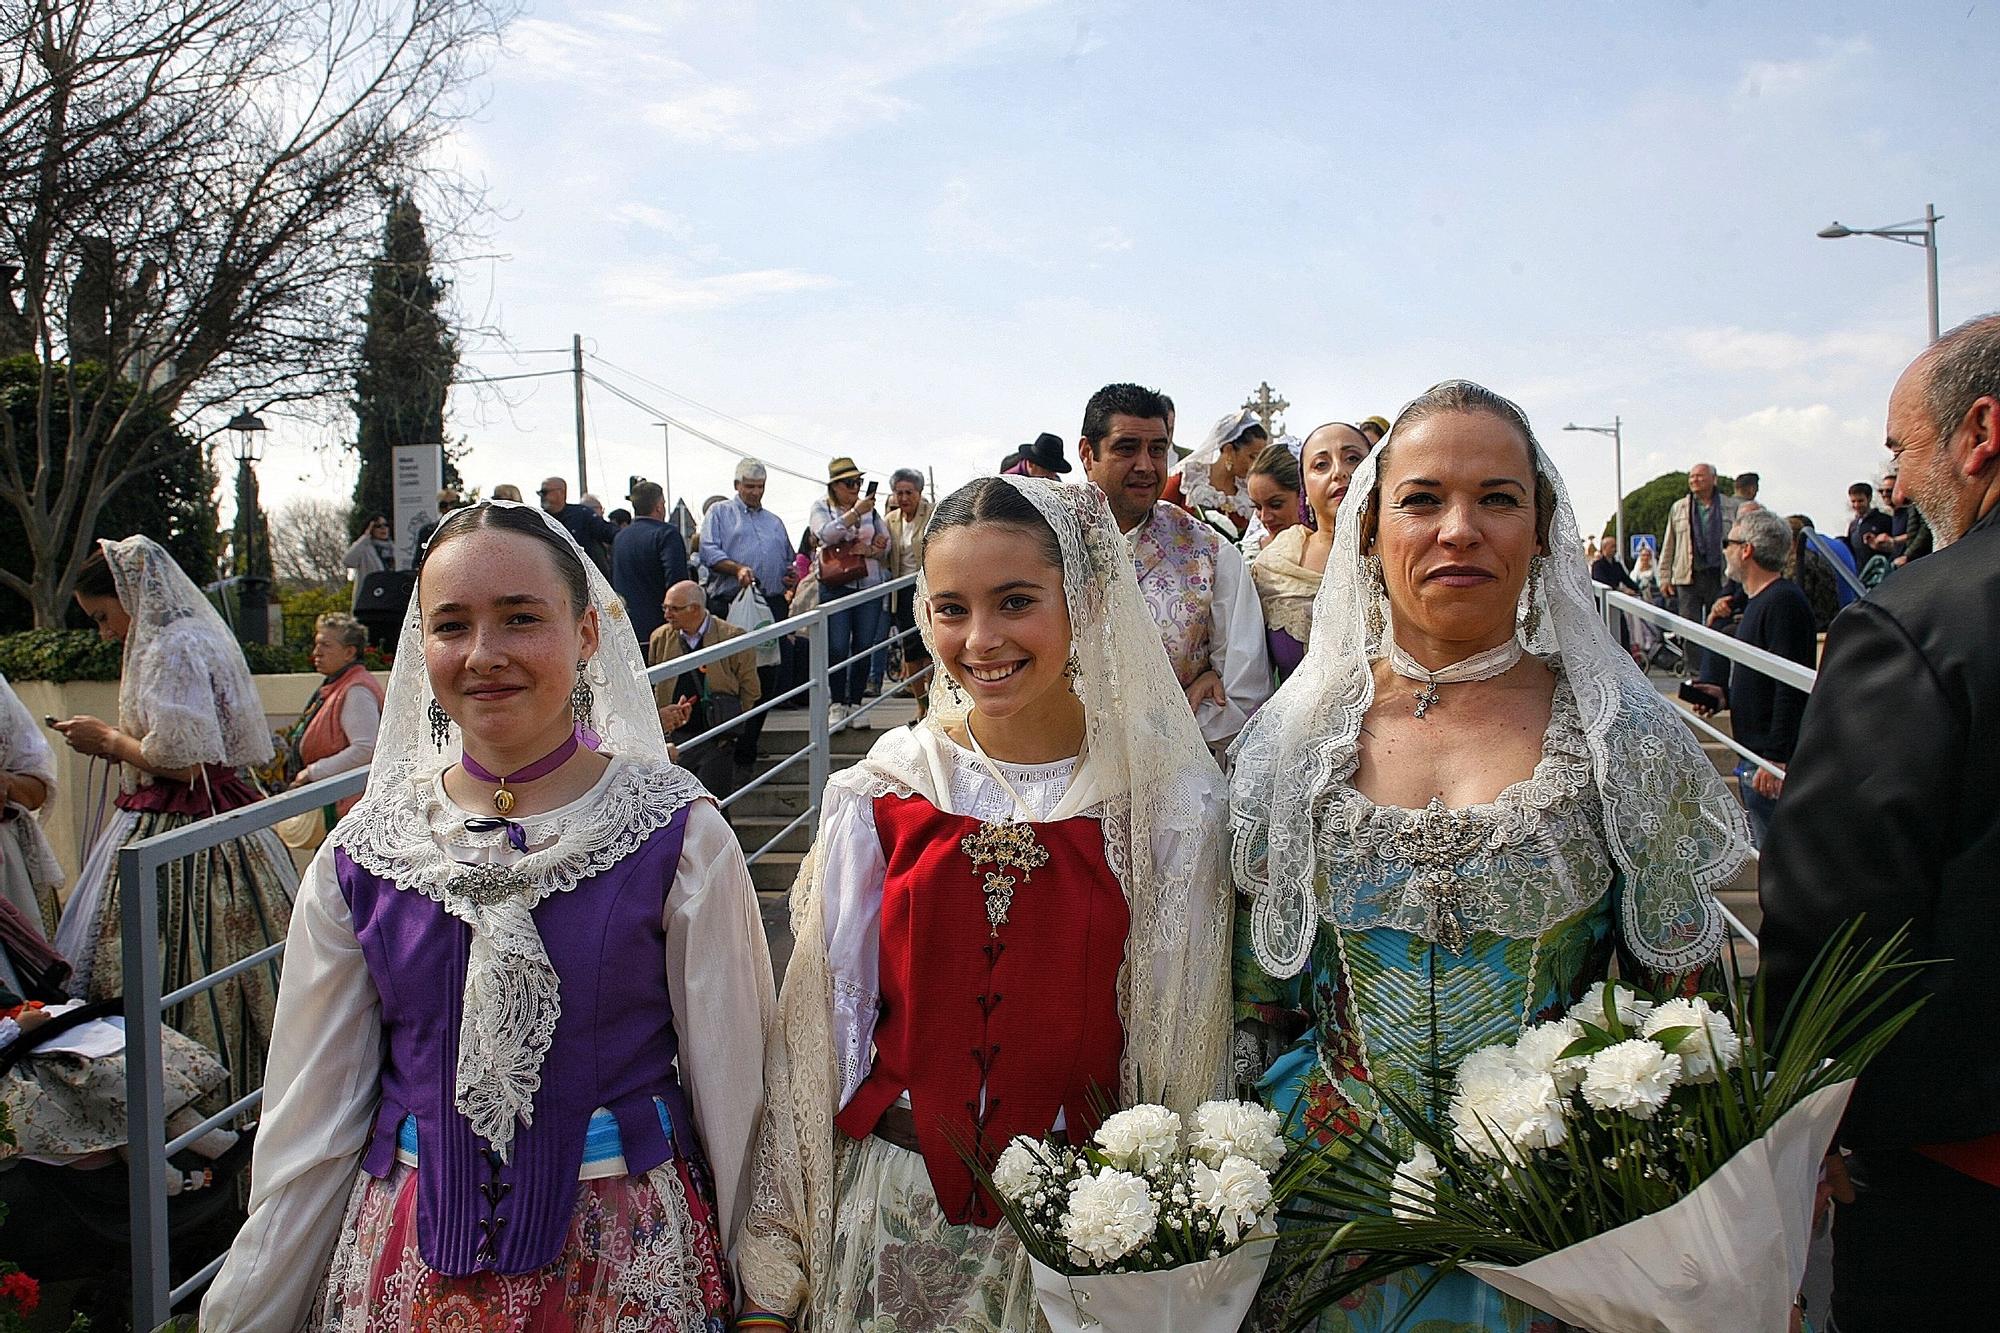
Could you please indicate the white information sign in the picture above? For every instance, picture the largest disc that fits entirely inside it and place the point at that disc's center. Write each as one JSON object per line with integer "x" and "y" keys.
{"x": 419, "y": 477}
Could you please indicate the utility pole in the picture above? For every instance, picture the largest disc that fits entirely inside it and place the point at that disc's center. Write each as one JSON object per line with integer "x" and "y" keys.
{"x": 1616, "y": 430}
{"x": 666, "y": 463}
{"x": 576, "y": 377}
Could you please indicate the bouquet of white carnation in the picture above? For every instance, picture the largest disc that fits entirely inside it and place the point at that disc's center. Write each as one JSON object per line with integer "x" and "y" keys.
{"x": 1639, "y": 1165}
{"x": 1154, "y": 1223}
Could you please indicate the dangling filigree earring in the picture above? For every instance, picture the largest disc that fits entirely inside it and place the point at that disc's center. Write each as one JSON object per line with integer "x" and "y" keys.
{"x": 440, "y": 725}
{"x": 1374, "y": 591}
{"x": 1073, "y": 669}
{"x": 1531, "y": 622}
{"x": 954, "y": 690}
{"x": 580, "y": 697}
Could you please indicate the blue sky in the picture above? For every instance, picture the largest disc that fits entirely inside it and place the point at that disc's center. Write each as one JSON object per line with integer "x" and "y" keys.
{"x": 922, "y": 233}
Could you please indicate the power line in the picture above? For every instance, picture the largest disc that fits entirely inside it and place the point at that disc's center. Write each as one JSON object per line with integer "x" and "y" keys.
{"x": 662, "y": 415}
{"x": 818, "y": 454}
{"x": 499, "y": 379}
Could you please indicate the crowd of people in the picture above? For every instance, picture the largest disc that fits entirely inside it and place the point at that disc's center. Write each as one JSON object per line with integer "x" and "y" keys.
{"x": 1308, "y": 767}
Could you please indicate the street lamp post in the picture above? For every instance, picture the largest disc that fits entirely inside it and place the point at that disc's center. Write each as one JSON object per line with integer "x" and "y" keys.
{"x": 1616, "y": 430}
{"x": 253, "y": 586}
{"x": 1917, "y": 231}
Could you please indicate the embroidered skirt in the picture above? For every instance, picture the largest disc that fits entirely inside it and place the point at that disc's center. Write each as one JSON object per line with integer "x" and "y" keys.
{"x": 216, "y": 907}
{"x": 899, "y": 1267}
{"x": 642, "y": 1256}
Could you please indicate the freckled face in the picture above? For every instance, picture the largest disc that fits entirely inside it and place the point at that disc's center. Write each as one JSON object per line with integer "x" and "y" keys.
{"x": 998, "y": 615}
{"x": 1456, "y": 530}
{"x": 501, "y": 641}
{"x": 108, "y": 614}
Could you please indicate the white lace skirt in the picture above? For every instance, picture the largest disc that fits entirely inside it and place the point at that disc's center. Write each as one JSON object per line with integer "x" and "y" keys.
{"x": 899, "y": 1267}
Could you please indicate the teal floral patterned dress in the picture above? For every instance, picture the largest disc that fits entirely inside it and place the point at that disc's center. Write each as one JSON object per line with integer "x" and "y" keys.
{"x": 1441, "y": 931}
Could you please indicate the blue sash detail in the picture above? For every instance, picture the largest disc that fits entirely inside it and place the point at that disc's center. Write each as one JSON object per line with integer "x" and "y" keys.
{"x": 601, "y": 1142}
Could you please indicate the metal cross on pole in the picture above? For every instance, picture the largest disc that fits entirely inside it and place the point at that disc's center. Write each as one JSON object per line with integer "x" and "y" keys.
{"x": 1267, "y": 405}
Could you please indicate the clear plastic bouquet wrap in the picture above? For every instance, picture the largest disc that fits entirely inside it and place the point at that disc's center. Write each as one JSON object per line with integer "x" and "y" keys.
{"x": 1639, "y": 1165}
{"x": 1154, "y": 1223}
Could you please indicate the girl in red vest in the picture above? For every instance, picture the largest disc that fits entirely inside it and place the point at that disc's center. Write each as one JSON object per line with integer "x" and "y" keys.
{"x": 1015, "y": 911}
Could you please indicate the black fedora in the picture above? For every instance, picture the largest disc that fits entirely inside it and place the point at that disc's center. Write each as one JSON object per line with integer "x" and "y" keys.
{"x": 1046, "y": 452}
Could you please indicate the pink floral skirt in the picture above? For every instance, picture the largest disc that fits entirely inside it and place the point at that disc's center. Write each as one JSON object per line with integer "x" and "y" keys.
{"x": 643, "y": 1255}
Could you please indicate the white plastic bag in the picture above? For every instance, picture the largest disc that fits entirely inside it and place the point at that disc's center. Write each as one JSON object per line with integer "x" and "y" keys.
{"x": 1729, "y": 1255}
{"x": 749, "y": 612}
{"x": 1208, "y": 1297}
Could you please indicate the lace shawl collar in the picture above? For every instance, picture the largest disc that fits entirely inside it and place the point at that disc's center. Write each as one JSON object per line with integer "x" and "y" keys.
{"x": 1532, "y": 856}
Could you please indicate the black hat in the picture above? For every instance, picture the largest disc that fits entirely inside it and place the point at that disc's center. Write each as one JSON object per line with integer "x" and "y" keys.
{"x": 1046, "y": 452}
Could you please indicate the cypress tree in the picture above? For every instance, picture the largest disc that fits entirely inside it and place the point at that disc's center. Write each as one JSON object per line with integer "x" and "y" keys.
{"x": 408, "y": 358}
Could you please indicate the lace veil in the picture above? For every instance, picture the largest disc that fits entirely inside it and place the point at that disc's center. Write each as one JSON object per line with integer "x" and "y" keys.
{"x": 1672, "y": 828}
{"x": 1144, "y": 771}
{"x": 512, "y": 998}
{"x": 1196, "y": 488}
{"x": 185, "y": 690}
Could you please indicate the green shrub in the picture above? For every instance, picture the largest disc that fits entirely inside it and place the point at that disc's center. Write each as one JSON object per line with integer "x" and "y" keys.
{"x": 58, "y": 655}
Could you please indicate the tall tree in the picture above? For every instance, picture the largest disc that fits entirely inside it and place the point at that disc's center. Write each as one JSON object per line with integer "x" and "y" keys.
{"x": 408, "y": 357}
{"x": 190, "y": 192}
{"x": 173, "y": 501}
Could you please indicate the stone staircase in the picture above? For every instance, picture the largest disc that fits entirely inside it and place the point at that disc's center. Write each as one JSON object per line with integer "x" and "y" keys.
{"x": 763, "y": 814}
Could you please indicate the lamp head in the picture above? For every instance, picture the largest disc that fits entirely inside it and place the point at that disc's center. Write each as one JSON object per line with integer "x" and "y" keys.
{"x": 1833, "y": 231}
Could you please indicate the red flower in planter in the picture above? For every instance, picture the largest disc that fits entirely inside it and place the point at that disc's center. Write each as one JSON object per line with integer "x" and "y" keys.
{"x": 21, "y": 1289}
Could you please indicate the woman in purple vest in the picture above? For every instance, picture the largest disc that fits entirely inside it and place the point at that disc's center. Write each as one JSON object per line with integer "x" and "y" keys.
{"x": 518, "y": 1061}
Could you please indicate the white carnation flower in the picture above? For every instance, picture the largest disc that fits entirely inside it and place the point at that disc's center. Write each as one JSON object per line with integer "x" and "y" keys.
{"x": 1510, "y": 1120}
{"x": 1632, "y": 1010}
{"x": 1235, "y": 1193}
{"x": 1111, "y": 1214}
{"x": 1022, "y": 1169}
{"x": 1706, "y": 1052}
{"x": 1241, "y": 1129}
{"x": 1540, "y": 1049}
{"x": 1488, "y": 1070}
{"x": 1141, "y": 1138}
{"x": 1415, "y": 1185}
{"x": 1634, "y": 1077}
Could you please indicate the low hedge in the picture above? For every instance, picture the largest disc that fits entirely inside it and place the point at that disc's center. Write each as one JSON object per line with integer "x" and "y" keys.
{"x": 62, "y": 655}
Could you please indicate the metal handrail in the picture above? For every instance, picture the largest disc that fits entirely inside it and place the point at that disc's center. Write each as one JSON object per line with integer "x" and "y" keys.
{"x": 1782, "y": 669}
{"x": 140, "y": 863}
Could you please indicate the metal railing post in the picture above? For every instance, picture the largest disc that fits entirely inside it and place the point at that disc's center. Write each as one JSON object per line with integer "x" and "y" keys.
{"x": 820, "y": 765}
{"x": 145, "y": 1101}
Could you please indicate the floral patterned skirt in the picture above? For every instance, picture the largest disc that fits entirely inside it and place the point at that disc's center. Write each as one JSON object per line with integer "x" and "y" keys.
{"x": 642, "y": 1256}
{"x": 216, "y": 907}
{"x": 63, "y": 1106}
{"x": 899, "y": 1267}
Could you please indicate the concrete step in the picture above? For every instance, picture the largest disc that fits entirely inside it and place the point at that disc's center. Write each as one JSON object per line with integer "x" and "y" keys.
{"x": 775, "y": 908}
{"x": 753, "y": 831}
{"x": 774, "y": 872}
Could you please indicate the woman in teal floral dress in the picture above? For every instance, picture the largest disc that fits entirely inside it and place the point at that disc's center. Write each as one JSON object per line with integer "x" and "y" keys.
{"x": 1464, "y": 806}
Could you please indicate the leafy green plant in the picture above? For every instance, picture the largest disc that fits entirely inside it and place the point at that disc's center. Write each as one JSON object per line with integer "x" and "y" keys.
{"x": 58, "y": 655}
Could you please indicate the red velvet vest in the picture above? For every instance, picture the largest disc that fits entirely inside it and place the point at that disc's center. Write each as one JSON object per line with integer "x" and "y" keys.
{"x": 1031, "y": 1011}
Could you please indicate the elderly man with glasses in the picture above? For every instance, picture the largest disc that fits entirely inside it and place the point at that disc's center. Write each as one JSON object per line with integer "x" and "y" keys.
{"x": 696, "y": 701}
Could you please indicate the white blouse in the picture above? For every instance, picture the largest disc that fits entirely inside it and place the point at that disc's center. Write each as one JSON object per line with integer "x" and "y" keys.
{"x": 856, "y": 869}
{"x": 322, "y": 1080}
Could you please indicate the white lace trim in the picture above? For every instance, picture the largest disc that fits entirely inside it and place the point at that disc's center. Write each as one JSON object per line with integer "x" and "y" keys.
{"x": 512, "y": 995}
{"x": 1200, "y": 493}
{"x": 663, "y": 1277}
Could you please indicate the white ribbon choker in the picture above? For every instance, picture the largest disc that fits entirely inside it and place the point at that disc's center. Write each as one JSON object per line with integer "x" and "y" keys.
{"x": 1480, "y": 666}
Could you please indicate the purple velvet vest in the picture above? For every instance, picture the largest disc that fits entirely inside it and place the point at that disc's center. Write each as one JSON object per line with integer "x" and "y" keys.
{"x": 614, "y": 1047}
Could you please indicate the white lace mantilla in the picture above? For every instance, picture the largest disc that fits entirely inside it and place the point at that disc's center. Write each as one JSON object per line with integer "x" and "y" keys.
{"x": 1516, "y": 865}
{"x": 512, "y": 995}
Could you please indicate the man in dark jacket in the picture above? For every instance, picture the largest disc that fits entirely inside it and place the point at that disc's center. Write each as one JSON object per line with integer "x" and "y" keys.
{"x": 592, "y": 531}
{"x": 1916, "y": 841}
{"x": 647, "y": 558}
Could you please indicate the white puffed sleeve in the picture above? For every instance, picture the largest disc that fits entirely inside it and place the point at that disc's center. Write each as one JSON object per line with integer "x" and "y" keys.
{"x": 1236, "y": 649}
{"x": 178, "y": 725}
{"x": 24, "y": 751}
{"x": 320, "y": 1091}
{"x": 719, "y": 977}
{"x": 852, "y": 910}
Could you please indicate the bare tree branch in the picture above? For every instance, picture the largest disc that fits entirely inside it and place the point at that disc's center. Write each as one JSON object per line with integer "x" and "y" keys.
{"x": 192, "y": 192}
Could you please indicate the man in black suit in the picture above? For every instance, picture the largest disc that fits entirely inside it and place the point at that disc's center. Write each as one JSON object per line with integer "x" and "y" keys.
{"x": 1916, "y": 841}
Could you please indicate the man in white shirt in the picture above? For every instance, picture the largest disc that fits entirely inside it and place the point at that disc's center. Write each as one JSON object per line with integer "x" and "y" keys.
{"x": 1196, "y": 585}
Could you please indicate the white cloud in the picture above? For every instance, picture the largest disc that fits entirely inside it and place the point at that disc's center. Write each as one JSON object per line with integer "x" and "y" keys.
{"x": 1110, "y": 240}
{"x": 1731, "y": 348}
{"x": 1832, "y": 62}
{"x": 660, "y": 287}
{"x": 635, "y": 214}
{"x": 777, "y": 115}
{"x": 1806, "y": 454}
